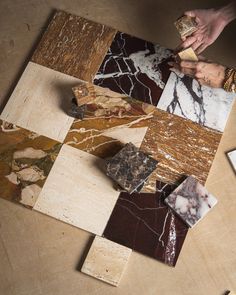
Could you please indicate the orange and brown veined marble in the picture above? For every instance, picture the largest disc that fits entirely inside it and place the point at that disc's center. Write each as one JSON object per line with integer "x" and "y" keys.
{"x": 26, "y": 159}
{"x": 111, "y": 120}
{"x": 181, "y": 147}
{"x": 74, "y": 45}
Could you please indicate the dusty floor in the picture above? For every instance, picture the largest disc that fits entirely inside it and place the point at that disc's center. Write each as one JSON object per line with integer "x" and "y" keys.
{"x": 40, "y": 255}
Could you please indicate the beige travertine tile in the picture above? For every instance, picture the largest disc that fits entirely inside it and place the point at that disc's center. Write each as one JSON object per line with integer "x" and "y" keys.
{"x": 106, "y": 260}
{"x": 40, "y": 101}
{"x": 77, "y": 191}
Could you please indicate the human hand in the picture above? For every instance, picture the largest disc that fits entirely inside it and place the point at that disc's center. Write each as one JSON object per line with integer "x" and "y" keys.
{"x": 210, "y": 23}
{"x": 206, "y": 73}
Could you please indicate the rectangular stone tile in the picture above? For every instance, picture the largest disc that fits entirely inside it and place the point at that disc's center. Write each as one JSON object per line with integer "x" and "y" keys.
{"x": 130, "y": 167}
{"x": 142, "y": 222}
{"x": 232, "y": 158}
{"x": 77, "y": 191}
{"x": 110, "y": 121}
{"x": 26, "y": 159}
{"x": 73, "y": 45}
{"x": 185, "y": 97}
{"x": 135, "y": 67}
{"x": 191, "y": 201}
{"x": 40, "y": 102}
{"x": 106, "y": 261}
{"x": 181, "y": 148}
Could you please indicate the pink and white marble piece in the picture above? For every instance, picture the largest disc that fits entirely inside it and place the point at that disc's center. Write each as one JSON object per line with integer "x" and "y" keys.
{"x": 191, "y": 201}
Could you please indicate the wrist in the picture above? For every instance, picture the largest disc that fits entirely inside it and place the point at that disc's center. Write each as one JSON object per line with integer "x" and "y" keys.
{"x": 227, "y": 13}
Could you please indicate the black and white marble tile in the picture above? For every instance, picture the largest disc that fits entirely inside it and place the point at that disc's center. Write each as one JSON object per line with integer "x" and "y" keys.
{"x": 191, "y": 201}
{"x": 135, "y": 67}
{"x": 185, "y": 97}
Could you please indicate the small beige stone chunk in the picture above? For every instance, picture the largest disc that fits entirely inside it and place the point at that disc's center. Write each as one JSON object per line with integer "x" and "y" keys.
{"x": 106, "y": 260}
{"x": 188, "y": 54}
{"x": 186, "y": 25}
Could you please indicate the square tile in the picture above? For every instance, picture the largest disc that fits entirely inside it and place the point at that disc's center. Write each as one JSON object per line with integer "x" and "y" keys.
{"x": 40, "y": 102}
{"x": 185, "y": 97}
{"x": 130, "y": 167}
{"x": 142, "y": 222}
{"x": 106, "y": 261}
{"x": 135, "y": 67}
{"x": 191, "y": 201}
{"x": 186, "y": 25}
{"x": 74, "y": 45}
{"x": 26, "y": 159}
{"x": 232, "y": 158}
{"x": 110, "y": 121}
{"x": 181, "y": 148}
{"x": 77, "y": 191}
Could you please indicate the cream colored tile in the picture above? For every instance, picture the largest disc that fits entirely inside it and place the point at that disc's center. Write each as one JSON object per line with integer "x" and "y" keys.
{"x": 77, "y": 191}
{"x": 40, "y": 100}
{"x": 106, "y": 260}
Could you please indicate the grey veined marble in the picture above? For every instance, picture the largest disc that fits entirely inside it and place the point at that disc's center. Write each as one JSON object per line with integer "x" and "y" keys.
{"x": 191, "y": 201}
{"x": 185, "y": 97}
{"x": 130, "y": 167}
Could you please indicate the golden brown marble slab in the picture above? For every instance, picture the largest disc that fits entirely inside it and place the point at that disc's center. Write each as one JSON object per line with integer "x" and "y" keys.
{"x": 26, "y": 159}
{"x": 110, "y": 121}
{"x": 181, "y": 147}
{"x": 74, "y": 45}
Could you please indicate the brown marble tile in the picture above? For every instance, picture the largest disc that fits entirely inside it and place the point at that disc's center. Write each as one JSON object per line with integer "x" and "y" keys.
{"x": 73, "y": 45}
{"x": 110, "y": 121}
{"x": 181, "y": 147}
{"x": 130, "y": 167}
{"x": 145, "y": 224}
{"x": 26, "y": 159}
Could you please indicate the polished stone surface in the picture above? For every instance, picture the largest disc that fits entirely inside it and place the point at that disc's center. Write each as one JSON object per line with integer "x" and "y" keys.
{"x": 181, "y": 147}
{"x": 191, "y": 201}
{"x": 185, "y": 97}
{"x": 186, "y": 25}
{"x": 145, "y": 224}
{"x": 26, "y": 159}
{"x": 130, "y": 167}
{"x": 73, "y": 45}
{"x": 135, "y": 67}
{"x": 110, "y": 120}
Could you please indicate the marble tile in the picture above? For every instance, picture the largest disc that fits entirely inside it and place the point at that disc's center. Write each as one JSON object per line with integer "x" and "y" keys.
{"x": 181, "y": 147}
{"x": 130, "y": 167}
{"x": 40, "y": 102}
{"x": 232, "y": 158}
{"x": 191, "y": 201}
{"x": 77, "y": 191}
{"x": 185, "y": 97}
{"x": 142, "y": 222}
{"x": 186, "y": 25}
{"x": 26, "y": 159}
{"x": 106, "y": 261}
{"x": 110, "y": 121}
{"x": 135, "y": 67}
{"x": 187, "y": 54}
{"x": 73, "y": 45}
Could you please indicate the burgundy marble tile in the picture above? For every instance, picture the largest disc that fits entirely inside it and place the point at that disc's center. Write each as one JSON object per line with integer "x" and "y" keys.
{"x": 135, "y": 67}
{"x": 145, "y": 224}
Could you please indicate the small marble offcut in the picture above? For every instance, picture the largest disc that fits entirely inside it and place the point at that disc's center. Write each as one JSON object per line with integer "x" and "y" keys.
{"x": 130, "y": 167}
{"x": 232, "y": 158}
{"x": 106, "y": 261}
{"x": 191, "y": 201}
{"x": 186, "y": 25}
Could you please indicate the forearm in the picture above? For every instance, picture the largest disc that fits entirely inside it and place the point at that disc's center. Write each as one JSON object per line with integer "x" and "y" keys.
{"x": 228, "y": 13}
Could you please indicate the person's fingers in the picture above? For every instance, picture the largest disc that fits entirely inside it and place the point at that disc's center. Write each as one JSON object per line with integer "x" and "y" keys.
{"x": 188, "y": 64}
{"x": 188, "y": 42}
{"x": 196, "y": 44}
{"x": 201, "y": 48}
{"x": 202, "y": 82}
{"x": 190, "y": 13}
{"x": 189, "y": 72}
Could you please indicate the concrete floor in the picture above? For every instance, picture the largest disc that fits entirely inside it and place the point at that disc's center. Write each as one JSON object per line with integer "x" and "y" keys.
{"x": 22, "y": 23}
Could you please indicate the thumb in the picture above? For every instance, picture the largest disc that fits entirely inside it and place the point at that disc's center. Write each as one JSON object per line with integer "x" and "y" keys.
{"x": 190, "y": 13}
